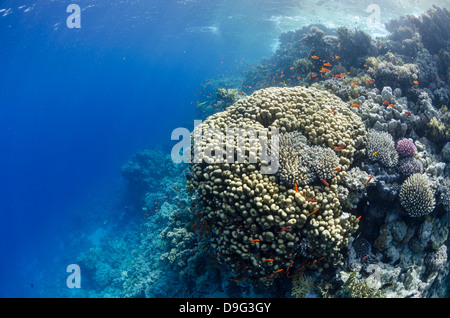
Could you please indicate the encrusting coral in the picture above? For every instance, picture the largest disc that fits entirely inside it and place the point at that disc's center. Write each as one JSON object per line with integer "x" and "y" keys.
{"x": 258, "y": 223}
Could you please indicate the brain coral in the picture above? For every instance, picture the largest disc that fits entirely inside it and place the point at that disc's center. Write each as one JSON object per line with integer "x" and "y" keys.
{"x": 259, "y": 222}
{"x": 416, "y": 196}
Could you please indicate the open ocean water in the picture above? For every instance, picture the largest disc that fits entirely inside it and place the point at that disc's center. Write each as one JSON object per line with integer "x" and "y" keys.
{"x": 92, "y": 205}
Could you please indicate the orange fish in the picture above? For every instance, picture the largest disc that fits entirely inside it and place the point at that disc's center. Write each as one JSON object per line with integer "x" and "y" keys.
{"x": 391, "y": 105}
{"x": 268, "y": 260}
{"x": 324, "y": 70}
{"x": 280, "y": 270}
{"x": 356, "y": 105}
{"x": 408, "y": 113}
{"x": 291, "y": 68}
{"x": 380, "y": 47}
{"x": 313, "y": 212}
{"x": 327, "y": 64}
{"x": 337, "y": 57}
{"x": 339, "y": 148}
{"x": 255, "y": 240}
{"x": 309, "y": 199}
{"x": 354, "y": 83}
{"x": 365, "y": 257}
{"x": 314, "y": 75}
{"x": 357, "y": 220}
{"x": 325, "y": 183}
{"x": 385, "y": 102}
{"x": 336, "y": 169}
{"x": 371, "y": 81}
{"x": 342, "y": 75}
{"x": 315, "y": 57}
{"x": 368, "y": 180}
{"x": 416, "y": 82}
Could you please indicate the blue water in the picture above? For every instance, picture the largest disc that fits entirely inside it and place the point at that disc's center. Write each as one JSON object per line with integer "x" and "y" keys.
{"x": 76, "y": 104}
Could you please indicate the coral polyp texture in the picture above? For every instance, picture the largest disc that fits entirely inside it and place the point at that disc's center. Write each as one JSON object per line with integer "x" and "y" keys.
{"x": 381, "y": 148}
{"x": 267, "y": 225}
{"x": 416, "y": 196}
{"x": 406, "y": 147}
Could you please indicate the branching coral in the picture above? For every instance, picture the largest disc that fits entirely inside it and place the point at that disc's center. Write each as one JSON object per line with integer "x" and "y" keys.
{"x": 301, "y": 163}
{"x": 416, "y": 196}
{"x": 381, "y": 147}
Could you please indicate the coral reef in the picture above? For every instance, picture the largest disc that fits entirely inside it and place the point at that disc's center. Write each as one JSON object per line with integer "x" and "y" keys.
{"x": 359, "y": 145}
{"x": 248, "y": 211}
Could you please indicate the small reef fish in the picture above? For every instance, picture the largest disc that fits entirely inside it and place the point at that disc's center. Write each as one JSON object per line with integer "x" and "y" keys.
{"x": 327, "y": 64}
{"x": 337, "y": 57}
{"x": 291, "y": 68}
{"x": 255, "y": 240}
{"x": 375, "y": 153}
{"x": 357, "y": 220}
{"x": 408, "y": 113}
{"x": 342, "y": 74}
{"x": 368, "y": 180}
{"x": 356, "y": 105}
{"x": 309, "y": 199}
{"x": 385, "y": 102}
{"x": 315, "y": 57}
{"x": 324, "y": 70}
{"x": 268, "y": 260}
{"x": 325, "y": 183}
{"x": 336, "y": 169}
{"x": 333, "y": 111}
{"x": 365, "y": 257}
{"x": 339, "y": 148}
{"x": 354, "y": 83}
{"x": 280, "y": 270}
{"x": 313, "y": 212}
{"x": 416, "y": 82}
{"x": 371, "y": 81}
{"x": 391, "y": 105}
{"x": 285, "y": 229}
